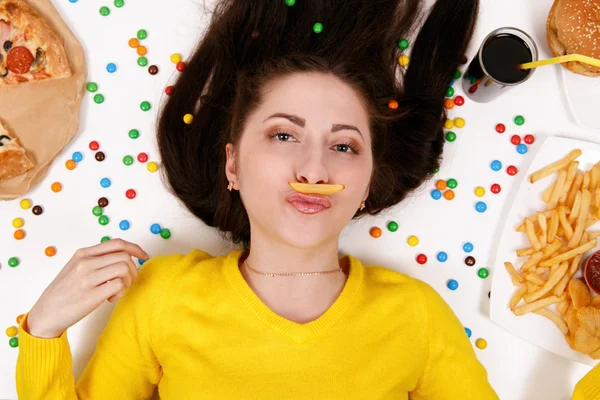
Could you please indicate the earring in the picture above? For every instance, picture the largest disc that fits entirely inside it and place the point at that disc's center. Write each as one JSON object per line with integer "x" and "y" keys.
{"x": 362, "y": 206}
{"x": 230, "y": 186}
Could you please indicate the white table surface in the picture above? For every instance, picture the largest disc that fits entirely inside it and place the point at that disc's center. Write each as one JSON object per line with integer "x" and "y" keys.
{"x": 517, "y": 369}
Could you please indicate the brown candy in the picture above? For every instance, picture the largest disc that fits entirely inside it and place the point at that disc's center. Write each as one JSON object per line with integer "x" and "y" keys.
{"x": 470, "y": 261}
{"x": 37, "y": 210}
{"x": 102, "y": 202}
{"x": 100, "y": 156}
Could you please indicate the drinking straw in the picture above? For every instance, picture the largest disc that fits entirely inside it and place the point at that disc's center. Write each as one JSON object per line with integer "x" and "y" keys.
{"x": 569, "y": 57}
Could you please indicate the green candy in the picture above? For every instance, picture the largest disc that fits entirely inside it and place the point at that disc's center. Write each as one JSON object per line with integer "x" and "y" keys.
{"x": 104, "y": 11}
{"x": 452, "y": 183}
{"x": 13, "y": 262}
{"x": 403, "y": 44}
{"x": 104, "y": 239}
{"x": 435, "y": 171}
{"x": 519, "y": 120}
{"x": 450, "y": 92}
{"x": 392, "y": 226}
{"x": 290, "y": 3}
{"x": 145, "y": 106}
{"x": 99, "y": 98}
{"x": 483, "y": 273}
{"x": 103, "y": 220}
{"x": 142, "y": 61}
{"x": 134, "y": 133}
{"x": 318, "y": 27}
{"x": 119, "y": 3}
{"x": 450, "y": 136}
{"x": 13, "y": 342}
{"x": 92, "y": 87}
{"x": 127, "y": 160}
{"x": 165, "y": 233}
{"x": 97, "y": 211}
{"x": 457, "y": 74}
{"x": 142, "y": 34}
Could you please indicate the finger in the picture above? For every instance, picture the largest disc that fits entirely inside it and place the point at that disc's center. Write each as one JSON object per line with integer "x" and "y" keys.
{"x": 114, "y": 271}
{"x": 113, "y": 258}
{"x": 107, "y": 290}
{"x": 117, "y": 296}
{"x": 114, "y": 245}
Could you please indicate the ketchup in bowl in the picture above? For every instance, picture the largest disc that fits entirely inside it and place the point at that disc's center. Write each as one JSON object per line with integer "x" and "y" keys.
{"x": 591, "y": 272}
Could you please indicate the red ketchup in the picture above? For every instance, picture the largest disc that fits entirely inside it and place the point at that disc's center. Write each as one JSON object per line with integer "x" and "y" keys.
{"x": 591, "y": 272}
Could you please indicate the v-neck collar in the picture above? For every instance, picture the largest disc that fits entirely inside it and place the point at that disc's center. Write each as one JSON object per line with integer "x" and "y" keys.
{"x": 299, "y": 333}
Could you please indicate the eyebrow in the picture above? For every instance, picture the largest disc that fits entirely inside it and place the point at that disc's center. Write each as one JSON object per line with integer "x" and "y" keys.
{"x": 302, "y": 122}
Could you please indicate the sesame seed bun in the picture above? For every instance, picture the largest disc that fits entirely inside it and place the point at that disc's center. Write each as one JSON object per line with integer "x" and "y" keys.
{"x": 573, "y": 27}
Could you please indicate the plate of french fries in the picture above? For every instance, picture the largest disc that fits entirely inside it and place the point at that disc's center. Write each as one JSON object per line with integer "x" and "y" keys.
{"x": 538, "y": 292}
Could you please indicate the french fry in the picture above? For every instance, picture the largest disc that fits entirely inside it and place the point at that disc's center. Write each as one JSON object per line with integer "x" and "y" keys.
{"x": 536, "y": 305}
{"x": 586, "y": 181}
{"x": 571, "y": 172}
{"x": 586, "y": 199}
{"x": 533, "y": 261}
{"x": 551, "y": 248}
{"x": 570, "y": 254}
{"x": 513, "y": 272}
{"x": 564, "y": 223}
{"x": 525, "y": 252}
{"x": 515, "y": 281}
{"x": 548, "y": 170}
{"x": 562, "y": 285}
{"x": 531, "y": 287}
{"x": 521, "y": 228}
{"x": 548, "y": 192}
{"x": 554, "y": 318}
{"x": 558, "y": 189}
{"x": 517, "y": 296}
{"x": 535, "y": 243}
{"x": 563, "y": 306}
{"x": 590, "y": 222}
{"x": 593, "y": 235}
{"x": 594, "y": 176}
{"x": 544, "y": 235}
{"x": 577, "y": 182}
{"x": 558, "y": 271}
{"x": 553, "y": 226}
{"x": 534, "y": 278}
{"x": 597, "y": 197}
{"x": 576, "y": 207}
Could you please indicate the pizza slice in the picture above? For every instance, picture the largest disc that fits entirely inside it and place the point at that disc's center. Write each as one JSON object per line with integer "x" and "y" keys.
{"x": 30, "y": 50}
{"x": 13, "y": 160}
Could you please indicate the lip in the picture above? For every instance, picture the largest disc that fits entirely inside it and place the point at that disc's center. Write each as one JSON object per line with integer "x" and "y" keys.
{"x": 308, "y": 204}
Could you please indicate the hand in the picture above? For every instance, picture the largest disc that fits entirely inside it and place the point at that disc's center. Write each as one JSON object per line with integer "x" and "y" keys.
{"x": 94, "y": 274}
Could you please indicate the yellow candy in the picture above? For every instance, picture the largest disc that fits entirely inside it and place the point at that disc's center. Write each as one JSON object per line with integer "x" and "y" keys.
{"x": 316, "y": 188}
{"x": 12, "y": 331}
{"x": 175, "y": 58}
{"x": 188, "y": 118}
{"x": 448, "y": 124}
{"x": 413, "y": 241}
{"x": 459, "y": 122}
{"x": 479, "y": 191}
{"x": 17, "y": 223}
{"x": 25, "y": 204}
{"x": 481, "y": 343}
{"x": 403, "y": 60}
{"x": 152, "y": 166}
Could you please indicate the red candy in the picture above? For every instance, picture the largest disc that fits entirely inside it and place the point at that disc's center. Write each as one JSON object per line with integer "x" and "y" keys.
{"x": 459, "y": 101}
{"x": 473, "y": 89}
{"x": 500, "y": 128}
{"x": 495, "y": 188}
{"x": 169, "y": 90}
{"x": 130, "y": 194}
{"x": 180, "y": 66}
{"x": 94, "y": 145}
{"x": 421, "y": 259}
{"x": 529, "y": 139}
{"x": 515, "y": 139}
{"x": 512, "y": 170}
{"x": 142, "y": 157}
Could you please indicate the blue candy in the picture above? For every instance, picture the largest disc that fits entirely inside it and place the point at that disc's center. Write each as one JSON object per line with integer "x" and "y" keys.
{"x": 480, "y": 206}
{"x": 105, "y": 182}
{"x": 141, "y": 262}
{"x": 496, "y": 165}
{"x": 111, "y": 67}
{"x": 468, "y": 331}
{"x": 468, "y": 247}
{"x": 124, "y": 225}
{"x": 155, "y": 228}
{"x": 77, "y": 156}
{"x": 522, "y": 149}
{"x": 452, "y": 284}
{"x": 436, "y": 194}
{"x": 442, "y": 256}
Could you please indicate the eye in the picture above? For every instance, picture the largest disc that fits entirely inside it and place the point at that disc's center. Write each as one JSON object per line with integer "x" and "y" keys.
{"x": 282, "y": 136}
{"x": 348, "y": 145}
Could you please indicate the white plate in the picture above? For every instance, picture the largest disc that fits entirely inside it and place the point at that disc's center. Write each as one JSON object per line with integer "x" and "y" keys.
{"x": 583, "y": 97}
{"x": 532, "y": 327}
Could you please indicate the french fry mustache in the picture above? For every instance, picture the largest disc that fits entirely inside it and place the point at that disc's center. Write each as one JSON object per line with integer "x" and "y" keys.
{"x": 318, "y": 188}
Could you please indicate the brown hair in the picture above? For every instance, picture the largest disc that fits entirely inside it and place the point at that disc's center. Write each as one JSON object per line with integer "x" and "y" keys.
{"x": 249, "y": 43}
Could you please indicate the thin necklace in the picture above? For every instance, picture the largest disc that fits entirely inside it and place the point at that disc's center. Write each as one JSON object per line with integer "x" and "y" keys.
{"x": 290, "y": 273}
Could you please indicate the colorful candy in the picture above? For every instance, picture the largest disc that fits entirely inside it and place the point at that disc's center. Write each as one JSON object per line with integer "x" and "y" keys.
{"x": 448, "y": 104}
{"x": 142, "y": 157}
{"x": 450, "y": 92}
{"x": 104, "y": 11}
{"x": 130, "y": 194}
{"x": 481, "y": 343}
{"x": 468, "y": 247}
{"x": 155, "y": 229}
{"x": 175, "y": 58}
{"x": 500, "y": 128}
{"x": 50, "y": 251}
{"x": 450, "y": 136}
{"x": 19, "y": 234}
{"x": 99, "y": 156}
{"x": 25, "y": 204}
{"x": 512, "y": 170}
{"x": 413, "y": 241}
{"x": 105, "y": 182}
{"x": 317, "y": 27}
{"x": 392, "y": 226}
{"x": 403, "y": 44}
{"x": 442, "y": 256}
{"x": 522, "y": 148}
{"x": 495, "y": 188}
{"x": 422, "y": 259}
{"x": 153, "y": 70}
{"x": 375, "y": 232}
{"x": 37, "y": 210}
{"x": 449, "y": 124}
{"x": 13, "y": 262}
{"x": 452, "y": 284}
{"x": 77, "y": 157}
{"x": 103, "y": 220}
{"x": 529, "y": 139}
{"x": 441, "y": 184}
{"x": 459, "y": 101}
{"x": 483, "y": 273}
{"x": 103, "y": 202}
{"x": 480, "y": 207}
{"x": 70, "y": 164}
{"x": 165, "y": 233}
{"x": 128, "y": 160}
{"x": 188, "y": 119}
{"x": 56, "y": 187}
{"x": 452, "y": 183}
{"x": 468, "y": 332}
{"x": 145, "y": 106}
{"x": 94, "y": 145}
{"x": 134, "y": 133}
{"x": 436, "y": 194}
{"x": 124, "y": 225}
{"x": 142, "y": 34}
{"x": 479, "y": 191}
{"x": 470, "y": 261}
{"x": 111, "y": 68}
{"x": 519, "y": 120}
{"x": 18, "y": 223}
{"x": 515, "y": 139}
{"x": 404, "y": 60}
{"x": 99, "y": 98}
{"x": 496, "y": 165}
{"x": 180, "y": 66}
{"x": 152, "y": 166}
{"x": 459, "y": 122}
{"x": 97, "y": 211}
{"x": 449, "y": 194}
{"x": 392, "y": 104}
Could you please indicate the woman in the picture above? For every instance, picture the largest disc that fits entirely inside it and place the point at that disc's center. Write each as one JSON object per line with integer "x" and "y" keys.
{"x": 297, "y": 129}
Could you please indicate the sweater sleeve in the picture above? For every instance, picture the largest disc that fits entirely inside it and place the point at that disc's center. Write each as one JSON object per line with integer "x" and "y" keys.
{"x": 588, "y": 387}
{"x": 123, "y": 365}
{"x": 452, "y": 370}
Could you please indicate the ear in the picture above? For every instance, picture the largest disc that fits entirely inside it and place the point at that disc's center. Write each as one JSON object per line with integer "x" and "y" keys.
{"x": 230, "y": 169}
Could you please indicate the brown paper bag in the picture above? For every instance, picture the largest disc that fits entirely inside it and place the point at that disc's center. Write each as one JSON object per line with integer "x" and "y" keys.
{"x": 44, "y": 115}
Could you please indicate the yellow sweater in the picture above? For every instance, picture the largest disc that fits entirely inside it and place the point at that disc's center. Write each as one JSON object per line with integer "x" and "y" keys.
{"x": 192, "y": 326}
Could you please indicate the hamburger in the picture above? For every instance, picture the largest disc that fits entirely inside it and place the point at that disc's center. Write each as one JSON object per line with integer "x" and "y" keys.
{"x": 573, "y": 27}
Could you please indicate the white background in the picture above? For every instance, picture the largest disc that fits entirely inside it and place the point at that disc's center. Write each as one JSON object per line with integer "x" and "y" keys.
{"x": 517, "y": 369}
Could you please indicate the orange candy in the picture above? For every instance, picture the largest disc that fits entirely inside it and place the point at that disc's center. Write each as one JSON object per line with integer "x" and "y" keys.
{"x": 70, "y": 164}
{"x": 133, "y": 42}
{"x": 449, "y": 194}
{"x": 19, "y": 234}
{"x": 50, "y": 251}
{"x": 375, "y": 232}
{"x": 142, "y": 50}
{"x": 56, "y": 187}
{"x": 392, "y": 104}
{"x": 448, "y": 104}
{"x": 19, "y": 318}
{"x": 440, "y": 185}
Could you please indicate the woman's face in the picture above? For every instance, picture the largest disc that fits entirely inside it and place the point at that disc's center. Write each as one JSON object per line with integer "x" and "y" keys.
{"x": 295, "y": 135}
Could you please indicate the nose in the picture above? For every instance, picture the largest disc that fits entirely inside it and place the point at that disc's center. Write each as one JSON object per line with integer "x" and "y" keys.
{"x": 312, "y": 169}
